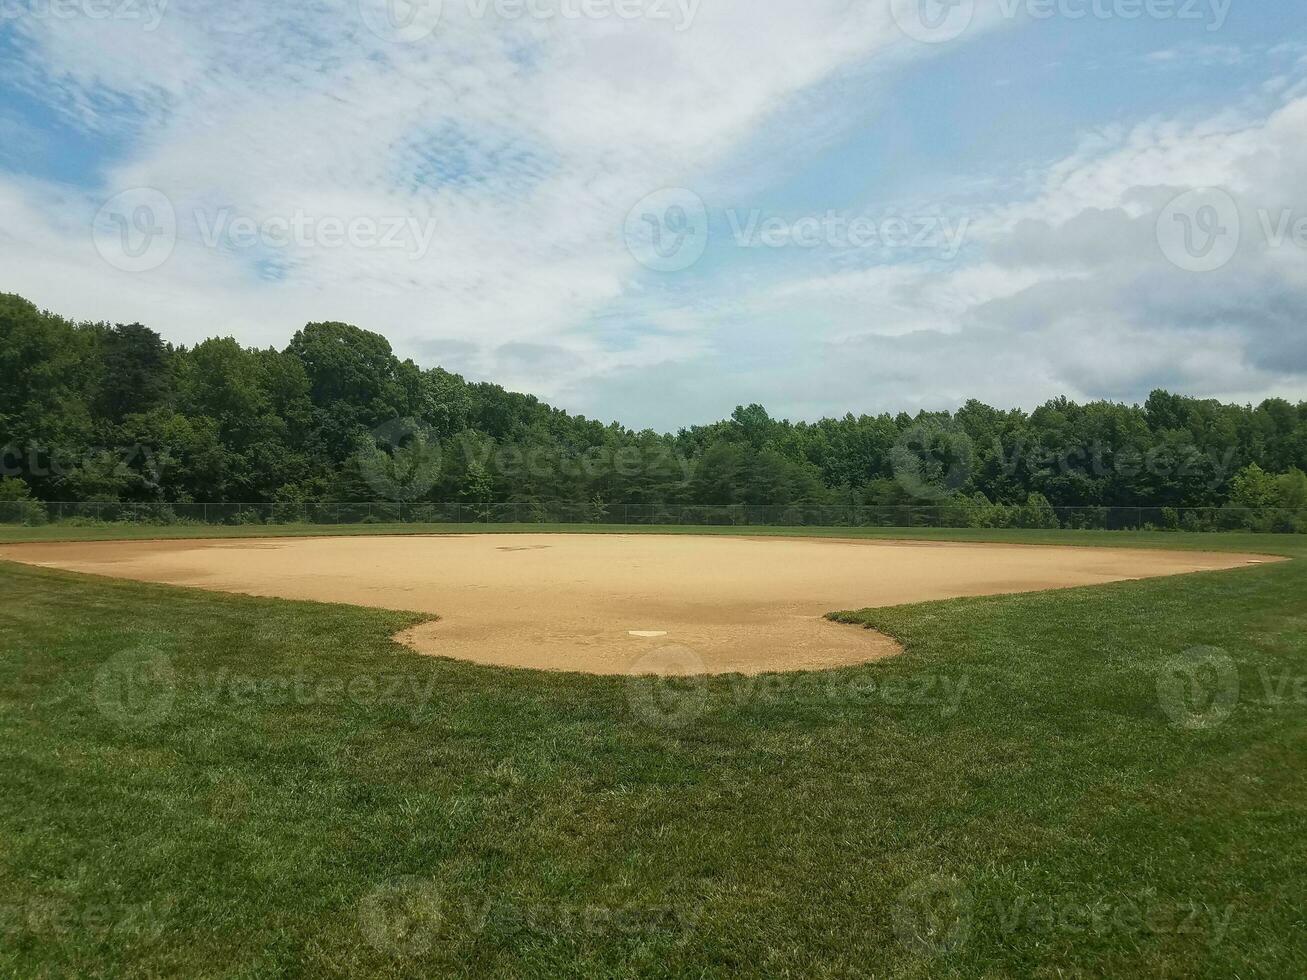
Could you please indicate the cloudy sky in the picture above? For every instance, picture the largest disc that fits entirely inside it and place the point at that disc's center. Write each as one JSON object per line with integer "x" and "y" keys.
{"x": 654, "y": 210}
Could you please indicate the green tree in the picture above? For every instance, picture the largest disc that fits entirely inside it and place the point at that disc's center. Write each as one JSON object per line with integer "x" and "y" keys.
{"x": 1038, "y": 512}
{"x": 135, "y": 375}
{"x": 1254, "y": 488}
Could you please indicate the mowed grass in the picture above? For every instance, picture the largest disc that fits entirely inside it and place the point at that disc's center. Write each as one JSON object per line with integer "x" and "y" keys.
{"x": 1233, "y": 541}
{"x": 1090, "y": 782}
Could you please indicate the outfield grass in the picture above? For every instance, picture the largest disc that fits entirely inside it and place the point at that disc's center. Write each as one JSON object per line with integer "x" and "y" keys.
{"x": 1276, "y": 544}
{"x": 198, "y": 784}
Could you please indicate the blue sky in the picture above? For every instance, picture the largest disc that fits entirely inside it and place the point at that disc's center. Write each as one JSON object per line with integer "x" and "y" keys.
{"x": 851, "y": 216}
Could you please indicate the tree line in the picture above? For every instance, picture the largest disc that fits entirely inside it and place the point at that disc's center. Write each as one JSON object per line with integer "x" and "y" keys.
{"x": 114, "y": 413}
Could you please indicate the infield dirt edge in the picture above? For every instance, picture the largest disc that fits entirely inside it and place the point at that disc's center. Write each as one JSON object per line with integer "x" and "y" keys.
{"x": 624, "y": 604}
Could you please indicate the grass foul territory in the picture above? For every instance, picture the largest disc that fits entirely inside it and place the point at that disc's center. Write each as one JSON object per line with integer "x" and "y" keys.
{"x": 1098, "y": 781}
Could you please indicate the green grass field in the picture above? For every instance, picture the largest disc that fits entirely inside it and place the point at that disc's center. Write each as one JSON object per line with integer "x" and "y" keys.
{"x": 1288, "y": 545}
{"x": 1094, "y": 782}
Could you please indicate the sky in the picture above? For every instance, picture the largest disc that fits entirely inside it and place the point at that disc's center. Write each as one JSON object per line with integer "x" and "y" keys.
{"x": 655, "y": 210}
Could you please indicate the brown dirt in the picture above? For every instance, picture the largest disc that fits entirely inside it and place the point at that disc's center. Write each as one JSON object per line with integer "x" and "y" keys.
{"x": 704, "y": 604}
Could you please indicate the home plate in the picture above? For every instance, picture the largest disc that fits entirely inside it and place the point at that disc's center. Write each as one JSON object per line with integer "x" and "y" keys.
{"x": 647, "y": 634}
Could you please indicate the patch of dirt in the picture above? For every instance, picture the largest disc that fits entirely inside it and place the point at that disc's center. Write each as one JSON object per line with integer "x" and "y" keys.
{"x": 706, "y": 604}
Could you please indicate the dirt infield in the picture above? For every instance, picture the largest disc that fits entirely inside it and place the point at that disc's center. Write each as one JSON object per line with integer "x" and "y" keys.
{"x": 616, "y": 604}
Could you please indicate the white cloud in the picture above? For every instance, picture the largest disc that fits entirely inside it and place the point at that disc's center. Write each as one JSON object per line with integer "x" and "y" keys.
{"x": 1067, "y": 290}
{"x": 524, "y": 142}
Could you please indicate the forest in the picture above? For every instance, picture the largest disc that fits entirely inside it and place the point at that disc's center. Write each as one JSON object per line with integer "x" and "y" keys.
{"x": 100, "y": 412}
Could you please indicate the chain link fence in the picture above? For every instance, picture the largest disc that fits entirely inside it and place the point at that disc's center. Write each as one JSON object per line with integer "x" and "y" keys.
{"x": 946, "y": 515}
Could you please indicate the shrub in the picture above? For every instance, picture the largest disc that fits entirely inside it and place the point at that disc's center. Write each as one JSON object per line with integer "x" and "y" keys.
{"x": 1037, "y": 512}
{"x": 18, "y": 506}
